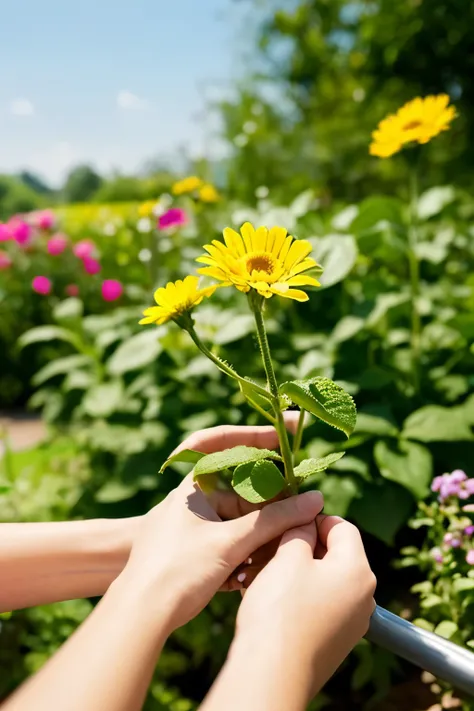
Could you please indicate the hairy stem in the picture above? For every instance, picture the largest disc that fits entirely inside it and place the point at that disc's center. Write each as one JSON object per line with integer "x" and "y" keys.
{"x": 299, "y": 434}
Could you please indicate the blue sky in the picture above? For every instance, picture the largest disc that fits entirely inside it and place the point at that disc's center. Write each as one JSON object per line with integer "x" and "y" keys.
{"x": 112, "y": 82}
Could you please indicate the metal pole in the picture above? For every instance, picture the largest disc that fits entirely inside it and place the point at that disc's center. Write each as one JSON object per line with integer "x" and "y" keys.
{"x": 427, "y": 650}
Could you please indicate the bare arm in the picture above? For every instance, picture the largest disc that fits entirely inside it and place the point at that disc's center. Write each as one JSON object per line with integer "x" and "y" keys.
{"x": 47, "y": 562}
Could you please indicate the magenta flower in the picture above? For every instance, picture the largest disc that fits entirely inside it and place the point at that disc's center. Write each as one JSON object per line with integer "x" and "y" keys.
{"x": 92, "y": 266}
{"x": 453, "y": 540}
{"x": 470, "y": 557}
{"x": 175, "y": 217}
{"x": 437, "y": 555}
{"x": 42, "y": 285}
{"x": 4, "y": 233}
{"x": 57, "y": 244}
{"x": 469, "y": 530}
{"x": 44, "y": 219}
{"x": 111, "y": 290}
{"x": 5, "y": 261}
{"x": 72, "y": 290}
{"x": 19, "y": 230}
{"x": 84, "y": 248}
{"x": 454, "y": 484}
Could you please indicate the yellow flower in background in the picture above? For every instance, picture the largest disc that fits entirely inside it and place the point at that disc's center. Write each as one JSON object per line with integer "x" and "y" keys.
{"x": 419, "y": 121}
{"x": 269, "y": 261}
{"x": 146, "y": 208}
{"x": 208, "y": 193}
{"x": 187, "y": 185}
{"x": 175, "y": 299}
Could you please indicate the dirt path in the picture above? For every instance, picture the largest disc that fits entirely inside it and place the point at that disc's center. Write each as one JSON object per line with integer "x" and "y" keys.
{"x": 22, "y": 430}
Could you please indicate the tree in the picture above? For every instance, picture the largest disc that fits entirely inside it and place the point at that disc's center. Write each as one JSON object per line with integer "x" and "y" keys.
{"x": 81, "y": 184}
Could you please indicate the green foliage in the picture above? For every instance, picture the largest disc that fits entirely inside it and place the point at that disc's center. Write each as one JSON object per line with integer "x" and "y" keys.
{"x": 229, "y": 458}
{"x": 324, "y": 399}
{"x": 258, "y": 481}
{"x": 81, "y": 184}
{"x": 309, "y": 467}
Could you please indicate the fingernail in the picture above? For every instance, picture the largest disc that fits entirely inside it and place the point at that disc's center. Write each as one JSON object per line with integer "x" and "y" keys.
{"x": 241, "y": 577}
{"x": 249, "y": 561}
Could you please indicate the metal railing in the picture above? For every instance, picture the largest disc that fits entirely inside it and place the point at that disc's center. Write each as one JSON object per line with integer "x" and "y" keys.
{"x": 427, "y": 650}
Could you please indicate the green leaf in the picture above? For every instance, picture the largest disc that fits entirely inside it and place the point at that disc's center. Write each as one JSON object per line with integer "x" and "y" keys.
{"x": 138, "y": 351}
{"x": 188, "y": 456}
{"x": 230, "y": 458}
{"x": 375, "y": 425}
{"x": 308, "y": 467}
{"x": 324, "y": 399}
{"x": 257, "y": 482}
{"x": 49, "y": 333}
{"x": 434, "y": 423}
{"x": 424, "y": 624}
{"x": 68, "y": 310}
{"x": 78, "y": 380}
{"x": 104, "y": 399}
{"x": 114, "y": 491}
{"x": 347, "y": 328}
{"x": 338, "y": 253}
{"x": 463, "y": 585}
{"x": 446, "y": 629}
{"x": 382, "y": 510}
{"x": 434, "y": 201}
{"x": 253, "y": 396}
{"x": 60, "y": 366}
{"x": 423, "y": 588}
{"x": 355, "y": 465}
{"x": 235, "y": 328}
{"x": 339, "y": 492}
{"x": 375, "y": 210}
{"x": 410, "y": 465}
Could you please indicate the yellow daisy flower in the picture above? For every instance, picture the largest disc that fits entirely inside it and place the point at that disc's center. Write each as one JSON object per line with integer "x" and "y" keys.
{"x": 176, "y": 299}
{"x": 419, "y": 121}
{"x": 187, "y": 185}
{"x": 146, "y": 208}
{"x": 208, "y": 193}
{"x": 269, "y": 261}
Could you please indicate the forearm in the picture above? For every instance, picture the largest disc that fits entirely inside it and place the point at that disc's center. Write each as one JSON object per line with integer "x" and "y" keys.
{"x": 263, "y": 672}
{"x": 107, "y": 664}
{"x": 46, "y": 562}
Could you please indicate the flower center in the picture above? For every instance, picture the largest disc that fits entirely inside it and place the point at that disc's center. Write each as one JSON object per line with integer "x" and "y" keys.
{"x": 411, "y": 125}
{"x": 260, "y": 262}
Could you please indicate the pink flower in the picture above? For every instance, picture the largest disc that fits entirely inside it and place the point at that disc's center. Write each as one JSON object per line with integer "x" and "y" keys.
{"x": 111, "y": 290}
{"x": 454, "y": 484}
{"x": 4, "y": 233}
{"x": 175, "y": 217}
{"x": 72, "y": 290}
{"x": 5, "y": 261}
{"x": 57, "y": 244}
{"x": 42, "y": 285}
{"x": 469, "y": 530}
{"x": 84, "y": 248}
{"x": 92, "y": 266}
{"x": 19, "y": 230}
{"x": 453, "y": 540}
{"x": 470, "y": 557}
{"x": 43, "y": 220}
{"x": 437, "y": 555}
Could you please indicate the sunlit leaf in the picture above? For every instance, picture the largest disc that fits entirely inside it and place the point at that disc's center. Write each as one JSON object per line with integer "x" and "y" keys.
{"x": 188, "y": 456}
{"x": 308, "y": 467}
{"x": 257, "y": 482}
{"x": 230, "y": 458}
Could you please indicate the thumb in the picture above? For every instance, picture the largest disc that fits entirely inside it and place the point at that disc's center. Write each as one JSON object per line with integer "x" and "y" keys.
{"x": 260, "y": 527}
{"x": 302, "y": 539}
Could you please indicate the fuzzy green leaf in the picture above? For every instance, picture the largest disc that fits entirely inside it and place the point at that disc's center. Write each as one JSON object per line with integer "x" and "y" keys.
{"x": 253, "y": 396}
{"x": 230, "y": 458}
{"x": 308, "y": 467}
{"x": 189, "y": 456}
{"x": 324, "y": 399}
{"x": 257, "y": 482}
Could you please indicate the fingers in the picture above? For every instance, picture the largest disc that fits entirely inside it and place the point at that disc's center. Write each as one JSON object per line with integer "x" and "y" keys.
{"x": 340, "y": 538}
{"x": 301, "y": 539}
{"x": 246, "y": 573}
{"x": 229, "y": 505}
{"x": 259, "y": 527}
{"x": 222, "y": 437}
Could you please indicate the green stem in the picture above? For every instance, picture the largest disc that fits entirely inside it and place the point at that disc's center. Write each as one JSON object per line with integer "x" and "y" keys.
{"x": 227, "y": 369}
{"x": 280, "y": 426}
{"x": 414, "y": 265}
{"x": 299, "y": 434}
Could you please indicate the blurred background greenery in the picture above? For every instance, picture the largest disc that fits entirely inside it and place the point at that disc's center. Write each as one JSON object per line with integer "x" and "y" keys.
{"x": 296, "y": 128}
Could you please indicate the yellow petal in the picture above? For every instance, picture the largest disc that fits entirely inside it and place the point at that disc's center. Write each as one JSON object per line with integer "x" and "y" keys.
{"x": 302, "y": 280}
{"x": 234, "y": 242}
{"x": 285, "y": 249}
{"x": 298, "y": 251}
{"x": 259, "y": 240}
{"x": 276, "y": 237}
{"x": 213, "y": 272}
{"x": 283, "y": 290}
{"x": 247, "y": 231}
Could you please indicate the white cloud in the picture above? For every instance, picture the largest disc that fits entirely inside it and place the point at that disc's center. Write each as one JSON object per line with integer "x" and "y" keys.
{"x": 22, "y": 107}
{"x": 131, "y": 102}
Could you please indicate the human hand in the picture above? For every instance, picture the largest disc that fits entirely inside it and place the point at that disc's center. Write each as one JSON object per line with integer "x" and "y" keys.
{"x": 315, "y": 596}
{"x": 184, "y": 552}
